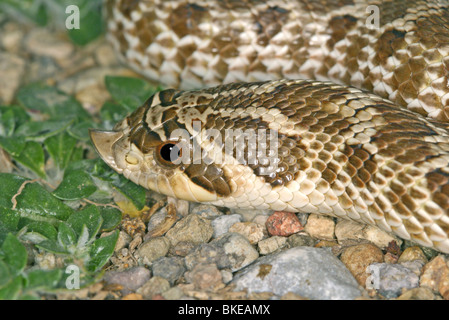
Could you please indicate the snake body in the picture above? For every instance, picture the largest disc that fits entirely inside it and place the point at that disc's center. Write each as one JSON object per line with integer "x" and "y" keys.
{"x": 355, "y": 153}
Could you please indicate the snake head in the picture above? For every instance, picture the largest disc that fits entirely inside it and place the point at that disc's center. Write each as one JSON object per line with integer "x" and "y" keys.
{"x": 144, "y": 148}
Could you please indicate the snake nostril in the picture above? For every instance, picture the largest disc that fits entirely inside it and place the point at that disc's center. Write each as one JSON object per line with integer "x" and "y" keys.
{"x": 130, "y": 159}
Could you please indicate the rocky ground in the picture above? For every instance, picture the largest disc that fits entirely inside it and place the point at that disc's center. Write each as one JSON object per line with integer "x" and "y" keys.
{"x": 217, "y": 253}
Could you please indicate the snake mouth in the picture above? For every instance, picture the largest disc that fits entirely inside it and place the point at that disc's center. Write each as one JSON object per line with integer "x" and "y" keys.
{"x": 103, "y": 142}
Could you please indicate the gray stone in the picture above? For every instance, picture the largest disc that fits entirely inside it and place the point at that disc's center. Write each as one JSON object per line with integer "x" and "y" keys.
{"x": 191, "y": 228}
{"x": 131, "y": 279}
{"x": 314, "y": 273}
{"x": 153, "y": 249}
{"x": 170, "y": 268}
{"x": 231, "y": 251}
{"x": 390, "y": 279}
{"x": 222, "y": 224}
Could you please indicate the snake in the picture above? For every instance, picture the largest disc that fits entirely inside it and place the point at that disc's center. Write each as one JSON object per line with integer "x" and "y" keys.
{"x": 334, "y": 107}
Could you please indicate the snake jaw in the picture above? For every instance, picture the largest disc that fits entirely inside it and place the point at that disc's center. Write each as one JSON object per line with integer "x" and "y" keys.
{"x": 103, "y": 142}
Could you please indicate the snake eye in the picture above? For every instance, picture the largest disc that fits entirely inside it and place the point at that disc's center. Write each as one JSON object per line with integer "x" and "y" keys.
{"x": 168, "y": 154}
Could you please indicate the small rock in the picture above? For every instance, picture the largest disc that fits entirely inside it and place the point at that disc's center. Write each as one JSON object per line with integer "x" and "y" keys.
{"x": 123, "y": 240}
{"x": 191, "y": 228}
{"x": 226, "y": 276}
{"x": 271, "y": 244}
{"x": 205, "y": 277}
{"x": 346, "y": 230}
{"x": 307, "y": 272}
{"x": 230, "y": 251}
{"x": 207, "y": 211}
{"x": 391, "y": 279}
{"x": 326, "y": 244}
{"x": 153, "y": 249}
{"x": 43, "y": 43}
{"x": 254, "y": 232}
{"x": 12, "y": 69}
{"x": 153, "y": 287}
{"x": 174, "y": 293}
{"x": 222, "y": 224}
{"x": 171, "y": 268}
{"x": 412, "y": 253}
{"x": 156, "y": 219}
{"x": 435, "y": 275}
{"x": 320, "y": 227}
{"x": 357, "y": 258}
{"x": 261, "y": 219}
{"x": 421, "y": 293}
{"x": 300, "y": 240}
{"x": 283, "y": 224}
{"x": 131, "y": 279}
{"x": 182, "y": 248}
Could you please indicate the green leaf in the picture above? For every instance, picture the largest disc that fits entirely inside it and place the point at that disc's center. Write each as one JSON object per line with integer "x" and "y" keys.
{"x": 7, "y": 123}
{"x": 32, "y": 157}
{"x": 90, "y": 25}
{"x": 15, "y": 254}
{"x": 66, "y": 236}
{"x": 76, "y": 184}
{"x": 43, "y": 279}
{"x": 38, "y": 130}
{"x": 32, "y": 9}
{"x": 12, "y": 290}
{"x": 52, "y": 246}
{"x": 130, "y": 92}
{"x": 90, "y": 217}
{"x": 9, "y": 218}
{"x": 13, "y": 145}
{"x": 5, "y": 275}
{"x": 33, "y": 202}
{"x": 135, "y": 193}
{"x": 43, "y": 228}
{"x": 101, "y": 250}
{"x": 51, "y": 101}
{"x": 111, "y": 218}
{"x": 60, "y": 148}
{"x": 80, "y": 131}
{"x": 20, "y": 115}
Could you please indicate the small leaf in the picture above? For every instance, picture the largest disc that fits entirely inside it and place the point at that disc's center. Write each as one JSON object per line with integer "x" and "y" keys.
{"x": 76, "y": 184}
{"x": 90, "y": 19}
{"x": 7, "y": 123}
{"x": 12, "y": 290}
{"x": 52, "y": 246}
{"x": 13, "y": 145}
{"x": 101, "y": 250}
{"x": 32, "y": 157}
{"x": 15, "y": 254}
{"x": 135, "y": 193}
{"x": 89, "y": 217}
{"x": 43, "y": 279}
{"x": 44, "y": 228}
{"x": 42, "y": 129}
{"x": 111, "y": 218}
{"x": 130, "y": 92}
{"x": 66, "y": 237}
{"x": 60, "y": 148}
{"x": 5, "y": 275}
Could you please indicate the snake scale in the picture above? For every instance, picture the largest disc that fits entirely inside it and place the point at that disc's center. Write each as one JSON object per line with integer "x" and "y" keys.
{"x": 365, "y": 138}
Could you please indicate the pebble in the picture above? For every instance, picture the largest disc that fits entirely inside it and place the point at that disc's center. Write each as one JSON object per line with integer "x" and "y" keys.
{"x": 421, "y": 293}
{"x": 357, "y": 258}
{"x": 271, "y": 244}
{"x": 412, "y": 253}
{"x": 182, "y": 248}
{"x": 231, "y": 251}
{"x": 226, "y": 276}
{"x": 153, "y": 287}
{"x": 191, "y": 228}
{"x": 300, "y": 240}
{"x": 320, "y": 227}
{"x": 346, "y": 230}
{"x": 312, "y": 273}
{"x": 131, "y": 279}
{"x": 12, "y": 69}
{"x": 156, "y": 219}
{"x": 435, "y": 275}
{"x": 222, "y": 224}
{"x": 205, "y": 277}
{"x": 283, "y": 224}
{"x": 261, "y": 219}
{"x": 207, "y": 211}
{"x": 174, "y": 293}
{"x": 170, "y": 268}
{"x": 254, "y": 232}
{"x": 123, "y": 240}
{"x": 391, "y": 279}
{"x": 153, "y": 249}
{"x": 41, "y": 42}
